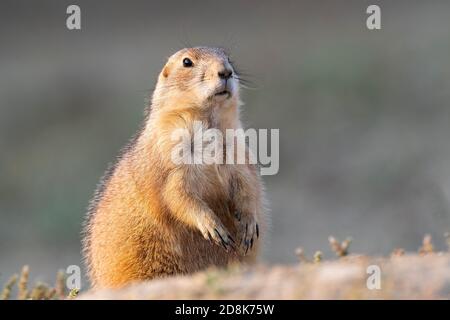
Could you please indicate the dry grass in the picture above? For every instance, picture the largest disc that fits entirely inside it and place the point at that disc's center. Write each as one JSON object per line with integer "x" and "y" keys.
{"x": 37, "y": 291}
{"x": 422, "y": 275}
{"x": 407, "y": 277}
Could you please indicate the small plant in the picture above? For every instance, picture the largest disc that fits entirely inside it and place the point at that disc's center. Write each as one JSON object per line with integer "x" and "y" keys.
{"x": 23, "y": 283}
{"x": 73, "y": 293}
{"x": 398, "y": 252}
{"x": 427, "y": 245}
{"x": 341, "y": 249}
{"x": 40, "y": 291}
{"x": 60, "y": 286}
{"x": 6, "y": 292}
{"x": 318, "y": 256}
{"x": 300, "y": 253}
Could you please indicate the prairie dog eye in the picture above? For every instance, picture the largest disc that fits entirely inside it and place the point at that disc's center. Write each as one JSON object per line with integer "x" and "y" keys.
{"x": 187, "y": 63}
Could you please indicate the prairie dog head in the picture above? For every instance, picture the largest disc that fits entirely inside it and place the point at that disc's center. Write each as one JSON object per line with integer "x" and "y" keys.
{"x": 200, "y": 76}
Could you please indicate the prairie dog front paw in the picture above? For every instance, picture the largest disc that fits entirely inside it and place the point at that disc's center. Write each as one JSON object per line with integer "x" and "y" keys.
{"x": 248, "y": 230}
{"x": 212, "y": 229}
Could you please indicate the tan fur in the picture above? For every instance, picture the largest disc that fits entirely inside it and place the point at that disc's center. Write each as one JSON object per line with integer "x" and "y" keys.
{"x": 153, "y": 218}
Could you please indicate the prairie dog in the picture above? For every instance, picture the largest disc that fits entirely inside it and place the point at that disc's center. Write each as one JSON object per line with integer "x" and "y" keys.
{"x": 153, "y": 218}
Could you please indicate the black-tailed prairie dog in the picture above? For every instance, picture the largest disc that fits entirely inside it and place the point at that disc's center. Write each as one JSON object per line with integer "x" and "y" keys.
{"x": 152, "y": 217}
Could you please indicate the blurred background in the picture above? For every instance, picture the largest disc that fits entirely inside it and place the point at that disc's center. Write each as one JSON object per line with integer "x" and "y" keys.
{"x": 364, "y": 116}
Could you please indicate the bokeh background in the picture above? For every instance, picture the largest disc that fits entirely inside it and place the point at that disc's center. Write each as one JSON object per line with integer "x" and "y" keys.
{"x": 364, "y": 116}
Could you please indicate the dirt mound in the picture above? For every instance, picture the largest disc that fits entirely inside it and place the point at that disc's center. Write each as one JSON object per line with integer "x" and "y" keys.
{"x": 351, "y": 277}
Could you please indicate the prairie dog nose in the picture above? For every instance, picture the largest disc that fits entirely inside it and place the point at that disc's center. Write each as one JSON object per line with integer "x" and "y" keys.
{"x": 225, "y": 74}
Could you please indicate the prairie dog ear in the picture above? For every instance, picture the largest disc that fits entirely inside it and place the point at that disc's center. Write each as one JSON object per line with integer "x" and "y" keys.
{"x": 165, "y": 71}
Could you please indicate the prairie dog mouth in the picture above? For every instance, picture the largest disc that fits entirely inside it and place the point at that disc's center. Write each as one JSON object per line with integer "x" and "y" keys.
{"x": 223, "y": 93}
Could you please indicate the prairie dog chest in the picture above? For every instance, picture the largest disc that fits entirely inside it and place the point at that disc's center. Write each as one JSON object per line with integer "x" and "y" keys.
{"x": 214, "y": 181}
